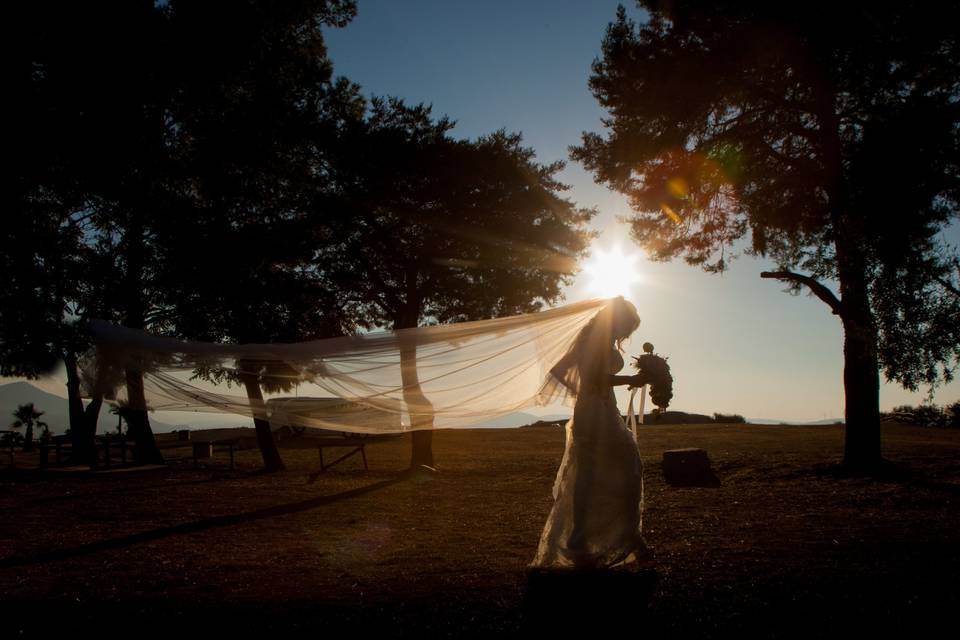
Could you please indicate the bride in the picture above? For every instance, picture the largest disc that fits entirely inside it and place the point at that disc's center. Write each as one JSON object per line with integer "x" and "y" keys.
{"x": 596, "y": 516}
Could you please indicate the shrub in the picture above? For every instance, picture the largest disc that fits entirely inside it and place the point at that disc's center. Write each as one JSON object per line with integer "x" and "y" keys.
{"x": 929, "y": 415}
{"x": 729, "y": 417}
{"x": 953, "y": 414}
{"x": 926, "y": 415}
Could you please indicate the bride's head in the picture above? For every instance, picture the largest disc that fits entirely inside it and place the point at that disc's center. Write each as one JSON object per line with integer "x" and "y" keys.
{"x": 615, "y": 322}
{"x": 626, "y": 319}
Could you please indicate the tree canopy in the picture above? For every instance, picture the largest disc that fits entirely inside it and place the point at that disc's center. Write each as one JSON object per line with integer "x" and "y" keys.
{"x": 825, "y": 136}
{"x": 139, "y": 123}
{"x": 194, "y": 169}
{"x": 448, "y": 230}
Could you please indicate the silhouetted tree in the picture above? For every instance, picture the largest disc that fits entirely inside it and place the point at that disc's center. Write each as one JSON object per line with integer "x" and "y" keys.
{"x": 27, "y": 417}
{"x": 829, "y": 132}
{"x": 117, "y": 105}
{"x": 445, "y": 230}
{"x": 55, "y": 275}
{"x": 89, "y": 134}
{"x": 236, "y": 260}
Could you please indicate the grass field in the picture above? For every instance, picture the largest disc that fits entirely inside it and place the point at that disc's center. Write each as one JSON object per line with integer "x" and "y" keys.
{"x": 784, "y": 547}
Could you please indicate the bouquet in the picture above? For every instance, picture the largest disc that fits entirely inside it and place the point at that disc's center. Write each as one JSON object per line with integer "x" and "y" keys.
{"x": 657, "y": 373}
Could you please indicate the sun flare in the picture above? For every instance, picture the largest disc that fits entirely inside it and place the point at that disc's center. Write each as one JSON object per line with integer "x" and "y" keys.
{"x": 612, "y": 273}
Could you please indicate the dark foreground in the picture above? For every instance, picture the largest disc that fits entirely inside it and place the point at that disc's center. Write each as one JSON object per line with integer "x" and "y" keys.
{"x": 785, "y": 547}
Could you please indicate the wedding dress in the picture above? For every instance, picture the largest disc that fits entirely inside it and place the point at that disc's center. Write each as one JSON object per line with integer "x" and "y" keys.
{"x": 595, "y": 521}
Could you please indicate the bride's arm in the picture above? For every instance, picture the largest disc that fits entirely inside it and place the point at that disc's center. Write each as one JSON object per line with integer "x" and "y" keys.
{"x": 636, "y": 380}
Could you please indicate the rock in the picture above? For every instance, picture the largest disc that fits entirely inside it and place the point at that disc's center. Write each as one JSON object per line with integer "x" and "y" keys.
{"x": 688, "y": 468}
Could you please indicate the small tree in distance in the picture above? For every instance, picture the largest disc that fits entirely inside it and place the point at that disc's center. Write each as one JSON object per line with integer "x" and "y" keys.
{"x": 28, "y": 418}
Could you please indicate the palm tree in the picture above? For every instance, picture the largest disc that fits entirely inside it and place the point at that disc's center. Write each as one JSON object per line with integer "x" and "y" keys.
{"x": 122, "y": 413}
{"x": 27, "y": 416}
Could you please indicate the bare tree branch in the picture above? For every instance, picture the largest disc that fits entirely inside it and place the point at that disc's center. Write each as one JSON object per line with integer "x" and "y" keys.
{"x": 949, "y": 287}
{"x": 818, "y": 289}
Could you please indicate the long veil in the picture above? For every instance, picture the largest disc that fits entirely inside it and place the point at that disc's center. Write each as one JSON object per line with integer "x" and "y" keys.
{"x": 465, "y": 372}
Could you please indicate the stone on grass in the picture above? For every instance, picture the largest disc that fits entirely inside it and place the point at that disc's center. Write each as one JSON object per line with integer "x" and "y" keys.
{"x": 688, "y": 468}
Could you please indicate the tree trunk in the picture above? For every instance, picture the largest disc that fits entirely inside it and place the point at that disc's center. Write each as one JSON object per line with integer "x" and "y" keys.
{"x": 88, "y": 429}
{"x": 268, "y": 446}
{"x": 861, "y": 384}
{"x": 75, "y": 408}
{"x": 146, "y": 450}
{"x": 28, "y": 438}
{"x": 419, "y": 408}
{"x": 861, "y": 377}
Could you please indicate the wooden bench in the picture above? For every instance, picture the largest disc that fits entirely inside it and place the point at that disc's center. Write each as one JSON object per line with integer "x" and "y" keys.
{"x": 10, "y": 437}
{"x": 208, "y": 446}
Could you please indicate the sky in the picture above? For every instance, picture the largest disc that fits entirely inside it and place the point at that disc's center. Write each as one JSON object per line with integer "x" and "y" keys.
{"x": 736, "y": 343}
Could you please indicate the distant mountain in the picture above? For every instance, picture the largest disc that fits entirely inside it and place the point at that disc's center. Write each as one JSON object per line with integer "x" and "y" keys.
{"x": 517, "y": 419}
{"x": 794, "y": 423}
{"x": 55, "y": 409}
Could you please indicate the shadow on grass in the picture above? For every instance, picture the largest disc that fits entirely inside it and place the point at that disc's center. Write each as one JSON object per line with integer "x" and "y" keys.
{"x": 888, "y": 471}
{"x": 560, "y": 601}
{"x": 35, "y": 475}
{"x": 203, "y": 525}
{"x": 124, "y": 490}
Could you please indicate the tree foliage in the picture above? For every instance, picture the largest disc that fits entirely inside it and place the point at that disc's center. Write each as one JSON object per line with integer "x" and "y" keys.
{"x": 447, "y": 230}
{"x": 139, "y": 123}
{"x": 27, "y": 417}
{"x": 825, "y": 135}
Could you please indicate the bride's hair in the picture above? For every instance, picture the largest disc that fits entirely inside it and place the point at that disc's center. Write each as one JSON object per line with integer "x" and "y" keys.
{"x": 626, "y": 319}
{"x": 614, "y": 322}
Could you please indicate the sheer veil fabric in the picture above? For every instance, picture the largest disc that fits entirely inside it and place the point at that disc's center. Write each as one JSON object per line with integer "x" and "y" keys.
{"x": 464, "y": 373}
{"x": 444, "y": 376}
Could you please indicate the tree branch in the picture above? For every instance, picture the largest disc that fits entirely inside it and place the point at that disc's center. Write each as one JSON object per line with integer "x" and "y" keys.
{"x": 818, "y": 289}
{"x": 949, "y": 287}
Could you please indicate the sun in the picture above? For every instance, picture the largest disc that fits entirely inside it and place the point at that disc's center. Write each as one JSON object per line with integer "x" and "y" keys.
{"x": 612, "y": 273}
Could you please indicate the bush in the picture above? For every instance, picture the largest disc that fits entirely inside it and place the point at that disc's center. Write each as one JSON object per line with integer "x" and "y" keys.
{"x": 953, "y": 414}
{"x": 729, "y": 418}
{"x": 929, "y": 415}
{"x": 926, "y": 415}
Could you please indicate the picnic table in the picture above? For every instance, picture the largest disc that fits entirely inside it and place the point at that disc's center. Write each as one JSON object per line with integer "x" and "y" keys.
{"x": 290, "y": 414}
{"x": 200, "y": 448}
{"x": 356, "y": 442}
{"x": 105, "y": 444}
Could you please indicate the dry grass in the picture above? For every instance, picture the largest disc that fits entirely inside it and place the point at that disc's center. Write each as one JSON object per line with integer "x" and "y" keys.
{"x": 784, "y": 547}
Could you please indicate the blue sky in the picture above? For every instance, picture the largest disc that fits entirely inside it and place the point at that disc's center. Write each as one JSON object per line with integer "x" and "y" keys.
{"x": 736, "y": 343}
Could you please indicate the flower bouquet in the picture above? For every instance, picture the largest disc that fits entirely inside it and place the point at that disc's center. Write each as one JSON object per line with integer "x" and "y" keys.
{"x": 657, "y": 373}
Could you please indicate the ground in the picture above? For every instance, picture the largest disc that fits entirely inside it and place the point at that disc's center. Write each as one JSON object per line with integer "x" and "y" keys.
{"x": 785, "y": 546}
